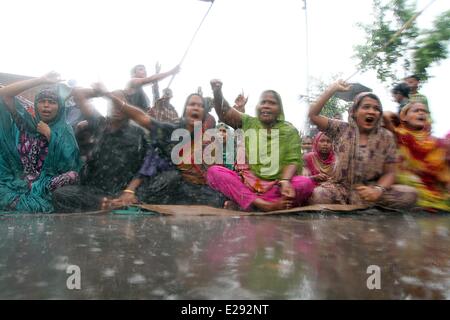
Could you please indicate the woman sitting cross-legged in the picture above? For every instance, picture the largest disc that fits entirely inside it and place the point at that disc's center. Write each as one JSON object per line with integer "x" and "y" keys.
{"x": 173, "y": 171}
{"x": 269, "y": 180}
{"x": 114, "y": 150}
{"x": 320, "y": 162}
{"x": 366, "y": 155}
{"x": 39, "y": 152}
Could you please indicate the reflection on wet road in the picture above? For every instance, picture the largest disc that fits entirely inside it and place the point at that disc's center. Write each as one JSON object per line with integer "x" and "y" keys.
{"x": 295, "y": 257}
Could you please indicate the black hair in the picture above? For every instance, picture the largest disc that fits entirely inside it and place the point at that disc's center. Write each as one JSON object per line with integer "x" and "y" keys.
{"x": 133, "y": 70}
{"x": 414, "y": 76}
{"x": 277, "y": 97}
{"x": 360, "y": 97}
{"x": 187, "y": 101}
{"x": 401, "y": 88}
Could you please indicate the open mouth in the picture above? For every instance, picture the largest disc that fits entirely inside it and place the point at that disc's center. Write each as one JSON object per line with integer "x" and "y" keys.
{"x": 370, "y": 120}
{"x": 421, "y": 118}
{"x": 195, "y": 116}
{"x": 265, "y": 113}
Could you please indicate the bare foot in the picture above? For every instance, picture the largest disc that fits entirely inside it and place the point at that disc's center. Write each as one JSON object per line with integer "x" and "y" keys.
{"x": 105, "y": 204}
{"x": 111, "y": 204}
{"x": 231, "y": 205}
{"x": 281, "y": 204}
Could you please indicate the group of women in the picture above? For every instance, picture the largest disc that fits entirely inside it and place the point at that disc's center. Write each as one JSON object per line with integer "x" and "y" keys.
{"x": 354, "y": 162}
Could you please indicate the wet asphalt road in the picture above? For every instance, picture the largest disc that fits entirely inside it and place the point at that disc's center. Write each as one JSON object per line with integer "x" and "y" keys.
{"x": 312, "y": 256}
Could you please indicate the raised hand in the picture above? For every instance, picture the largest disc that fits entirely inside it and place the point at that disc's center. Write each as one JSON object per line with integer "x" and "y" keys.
{"x": 341, "y": 85}
{"x": 240, "y": 102}
{"x": 100, "y": 89}
{"x": 51, "y": 78}
{"x": 157, "y": 67}
{"x": 216, "y": 84}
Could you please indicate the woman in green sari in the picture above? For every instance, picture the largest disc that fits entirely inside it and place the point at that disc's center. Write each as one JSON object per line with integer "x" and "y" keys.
{"x": 39, "y": 150}
{"x": 268, "y": 178}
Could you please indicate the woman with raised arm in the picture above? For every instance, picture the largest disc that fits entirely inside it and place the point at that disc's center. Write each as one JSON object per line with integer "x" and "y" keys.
{"x": 39, "y": 152}
{"x": 365, "y": 152}
{"x": 135, "y": 94}
{"x": 268, "y": 180}
{"x": 113, "y": 156}
{"x": 423, "y": 164}
{"x": 161, "y": 180}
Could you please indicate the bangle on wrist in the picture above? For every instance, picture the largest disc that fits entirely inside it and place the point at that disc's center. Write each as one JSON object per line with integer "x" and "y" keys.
{"x": 128, "y": 191}
{"x": 383, "y": 189}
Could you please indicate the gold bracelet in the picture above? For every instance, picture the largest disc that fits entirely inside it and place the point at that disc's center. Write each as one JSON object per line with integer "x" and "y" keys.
{"x": 129, "y": 191}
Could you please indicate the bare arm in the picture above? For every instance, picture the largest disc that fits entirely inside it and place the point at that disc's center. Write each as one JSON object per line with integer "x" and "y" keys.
{"x": 373, "y": 193}
{"x": 81, "y": 97}
{"x": 128, "y": 195}
{"x": 314, "y": 111}
{"x": 134, "y": 113}
{"x": 228, "y": 115}
{"x": 288, "y": 172}
{"x": 306, "y": 172}
{"x": 391, "y": 120}
{"x": 287, "y": 190}
{"x": 155, "y": 86}
{"x": 240, "y": 102}
{"x": 388, "y": 177}
{"x": 137, "y": 82}
{"x": 10, "y": 91}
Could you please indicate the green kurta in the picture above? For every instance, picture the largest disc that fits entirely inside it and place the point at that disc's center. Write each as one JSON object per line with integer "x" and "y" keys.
{"x": 271, "y": 150}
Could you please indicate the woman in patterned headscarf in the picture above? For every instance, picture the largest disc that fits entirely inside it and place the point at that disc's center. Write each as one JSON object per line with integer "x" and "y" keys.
{"x": 319, "y": 163}
{"x": 365, "y": 155}
{"x": 39, "y": 152}
{"x": 268, "y": 180}
{"x": 423, "y": 164}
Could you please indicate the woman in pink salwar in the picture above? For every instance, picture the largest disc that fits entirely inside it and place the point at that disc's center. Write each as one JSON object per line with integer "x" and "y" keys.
{"x": 259, "y": 184}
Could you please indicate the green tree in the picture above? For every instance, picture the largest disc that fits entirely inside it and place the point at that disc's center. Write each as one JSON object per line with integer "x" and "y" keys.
{"x": 334, "y": 105}
{"x": 390, "y": 52}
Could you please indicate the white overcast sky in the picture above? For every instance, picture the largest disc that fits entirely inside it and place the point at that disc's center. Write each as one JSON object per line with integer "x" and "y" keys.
{"x": 250, "y": 44}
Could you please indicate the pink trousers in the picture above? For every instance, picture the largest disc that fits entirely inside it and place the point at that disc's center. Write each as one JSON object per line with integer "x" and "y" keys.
{"x": 229, "y": 183}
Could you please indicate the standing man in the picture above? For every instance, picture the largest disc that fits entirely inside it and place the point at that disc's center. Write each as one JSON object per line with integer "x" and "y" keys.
{"x": 400, "y": 94}
{"x": 163, "y": 110}
{"x": 413, "y": 82}
{"x": 135, "y": 94}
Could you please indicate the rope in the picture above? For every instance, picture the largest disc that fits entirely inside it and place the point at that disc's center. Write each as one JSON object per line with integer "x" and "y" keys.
{"x": 395, "y": 36}
{"x": 192, "y": 41}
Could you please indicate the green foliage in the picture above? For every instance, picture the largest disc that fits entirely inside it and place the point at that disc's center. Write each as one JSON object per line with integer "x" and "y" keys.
{"x": 334, "y": 105}
{"x": 433, "y": 47}
{"x": 413, "y": 51}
